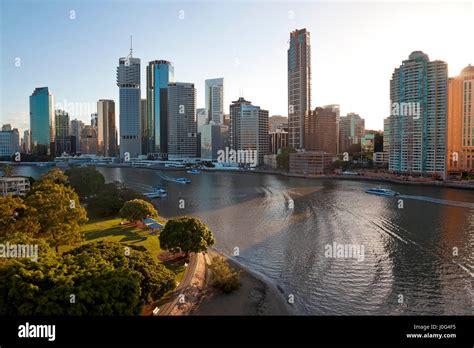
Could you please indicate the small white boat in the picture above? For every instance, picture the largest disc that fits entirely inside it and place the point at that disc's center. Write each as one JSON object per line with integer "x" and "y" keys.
{"x": 157, "y": 192}
{"x": 381, "y": 191}
{"x": 193, "y": 171}
{"x": 183, "y": 181}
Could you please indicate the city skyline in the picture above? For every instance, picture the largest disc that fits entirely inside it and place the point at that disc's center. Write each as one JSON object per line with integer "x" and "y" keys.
{"x": 266, "y": 67}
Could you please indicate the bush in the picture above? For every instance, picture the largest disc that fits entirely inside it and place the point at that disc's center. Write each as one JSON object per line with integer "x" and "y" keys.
{"x": 222, "y": 276}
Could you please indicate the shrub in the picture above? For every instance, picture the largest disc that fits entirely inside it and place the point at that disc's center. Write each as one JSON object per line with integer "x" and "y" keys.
{"x": 222, "y": 276}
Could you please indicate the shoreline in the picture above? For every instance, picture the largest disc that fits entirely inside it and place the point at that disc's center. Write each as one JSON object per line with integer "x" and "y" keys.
{"x": 256, "y": 295}
{"x": 455, "y": 185}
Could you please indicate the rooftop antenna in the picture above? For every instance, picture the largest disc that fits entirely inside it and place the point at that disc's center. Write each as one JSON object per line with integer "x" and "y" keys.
{"x": 131, "y": 47}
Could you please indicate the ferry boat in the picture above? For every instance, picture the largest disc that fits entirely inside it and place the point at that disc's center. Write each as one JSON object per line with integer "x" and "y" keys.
{"x": 183, "y": 181}
{"x": 381, "y": 191}
{"x": 193, "y": 171}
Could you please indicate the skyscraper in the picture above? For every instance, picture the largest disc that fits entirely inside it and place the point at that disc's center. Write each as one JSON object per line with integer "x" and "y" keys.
{"x": 76, "y": 129}
{"x": 201, "y": 116}
{"x": 42, "y": 121}
{"x": 143, "y": 116}
{"x": 62, "y": 140}
{"x": 182, "y": 125}
{"x": 106, "y": 129}
{"x": 299, "y": 85}
{"x": 418, "y": 93}
{"x": 321, "y": 130}
{"x": 337, "y": 109}
{"x": 159, "y": 74}
{"x": 214, "y": 94}
{"x": 128, "y": 81}
{"x": 9, "y": 143}
{"x": 460, "y": 136}
{"x": 26, "y": 143}
{"x": 249, "y": 128}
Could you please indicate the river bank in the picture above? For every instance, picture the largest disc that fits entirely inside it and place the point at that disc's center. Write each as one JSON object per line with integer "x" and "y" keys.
{"x": 254, "y": 297}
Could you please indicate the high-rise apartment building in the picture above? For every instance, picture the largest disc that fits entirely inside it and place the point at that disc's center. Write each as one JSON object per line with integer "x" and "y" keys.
{"x": 128, "y": 81}
{"x": 249, "y": 128}
{"x": 89, "y": 145}
{"x": 42, "y": 121}
{"x": 299, "y": 85}
{"x": 460, "y": 127}
{"x": 214, "y": 94}
{"x": 106, "y": 129}
{"x": 321, "y": 130}
{"x": 159, "y": 74}
{"x": 418, "y": 93}
{"x": 182, "y": 125}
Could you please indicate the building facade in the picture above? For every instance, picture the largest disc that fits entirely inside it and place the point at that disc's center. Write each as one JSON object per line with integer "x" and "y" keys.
{"x": 460, "y": 127}
{"x": 159, "y": 74}
{"x": 310, "y": 162}
{"x": 42, "y": 121}
{"x": 214, "y": 94}
{"x": 89, "y": 144}
{"x": 15, "y": 186}
{"x": 182, "y": 124}
{"x": 351, "y": 130}
{"x": 76, "y": 129}
{"x": 320, "y": 129}
{"x": 278, "y": 140}
{"x": 418, "y": 93}
{"x": 128, "y": 81}
{"x": 299, "y": 85}
{"x": 106, "y": 129}
{"x": 62, "y": 140}
{"x": 9, "y": 143}
{"x": 249, "y": 128}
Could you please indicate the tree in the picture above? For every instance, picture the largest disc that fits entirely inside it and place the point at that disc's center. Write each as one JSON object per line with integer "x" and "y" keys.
{"x": 58, "y": 211}
{"x": 86, "y": 181}
{"x": 186, "y": 234}
{"x": 283, "y": 158}
{"x": 14, "y": 217}
{"x": 109, "y": 200}
{"x": 102, "y": 277}
{"x": 7, "y": 170}
{"x": 56, "y": 176}
{"x": 137, "y": 210}
{"x": 222, "y": 276}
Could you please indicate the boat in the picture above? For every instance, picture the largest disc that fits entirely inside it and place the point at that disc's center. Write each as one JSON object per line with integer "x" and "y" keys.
{"x": 157, "y": 192}
{"x": 381, "y": 191}
{"x": 193, "y": 171}
{"x": 183, "y": 180}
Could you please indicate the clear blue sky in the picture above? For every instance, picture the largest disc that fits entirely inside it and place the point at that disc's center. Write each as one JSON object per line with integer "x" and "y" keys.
{"x": 355, "y": 47}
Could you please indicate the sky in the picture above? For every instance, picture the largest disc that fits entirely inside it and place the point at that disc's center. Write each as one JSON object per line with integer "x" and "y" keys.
{"x": 73, "y": 47}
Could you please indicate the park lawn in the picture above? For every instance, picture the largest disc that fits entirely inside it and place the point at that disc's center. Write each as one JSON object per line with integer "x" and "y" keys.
{"x": 110, "y": 230}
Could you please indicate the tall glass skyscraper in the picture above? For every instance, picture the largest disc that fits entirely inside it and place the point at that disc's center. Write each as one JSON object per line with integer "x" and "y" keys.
{"x": 214, "y": 93}
{"x": 299, "y": 85}
{"x": 128, "y": 81}
{"x": 42, "y": 121}
{"x": 62, "y": 132}
{"x": 418, "y": 93}
{"x": 106, "y": 129}
{"x": 159, "y": 74}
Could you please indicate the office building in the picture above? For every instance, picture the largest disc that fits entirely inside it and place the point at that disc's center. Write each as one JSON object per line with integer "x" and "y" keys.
{"x": 62, "y": 139}
{"x": 320, "y": 128}
{"x": 106, "y": 129}
{"x": 159, "y": 74}
{"x": 89, "y": 144}
{"x": 278, "y": 140}
{"x": 182, "y": 125}
{"x": 214, "y": 94}
{"x": 9, "y": 143}
{"x": 42, "y": 121}
{"x": 128, "y": 81}
{"x": 76, "y": 129}
{"x": 351, "y": 130}
{"x": 249, "y": 128}
{"x": 310, "y": 162}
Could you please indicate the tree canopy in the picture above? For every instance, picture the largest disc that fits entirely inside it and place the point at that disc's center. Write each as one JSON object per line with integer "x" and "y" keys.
{"x": 86, "y": 181}
{"x": 138, "y": 209}
{"x": 186, "y": 234}
{"x": 56, "y": 176}
{"x": 94, "y": 279}
{"x": 283, "y": 158}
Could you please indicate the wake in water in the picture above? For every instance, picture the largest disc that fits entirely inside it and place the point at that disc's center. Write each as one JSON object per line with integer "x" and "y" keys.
{"x": 439, "y": 201}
